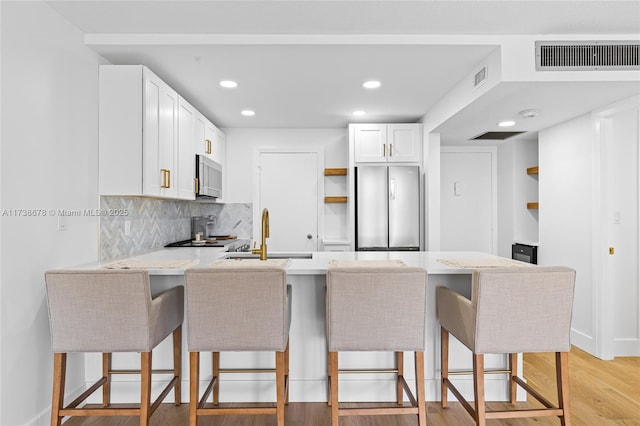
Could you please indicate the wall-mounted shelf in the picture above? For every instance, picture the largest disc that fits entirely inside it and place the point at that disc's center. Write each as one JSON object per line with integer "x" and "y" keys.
{"x": 532, "y": 170}
{"x": 339, "y": 199}
{"x": 532, "y": 206}
{"x": 335, "y": 172}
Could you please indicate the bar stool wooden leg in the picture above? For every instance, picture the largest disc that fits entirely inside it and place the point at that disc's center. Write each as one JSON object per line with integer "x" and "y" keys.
{"x": 280, "y": 391}
{"x": 478, "y": 389}
{"x": 215, "y": 358}
{"x": 399, "y": 387}
{"x": 513, "y": 373}
{"x": 286, "y": 373}
{"x": 444, "y": 366}
{"x": 177, "y": 364}
{"x": 194, "y": 387}
{"x": 333, "y": 373}
{"x": 106, "y": 387}
{"x": 59, "y": 374}
{"x": 145, "y": 388}
{"x": 420, "y": 391}
{"x": 329, "y": 370}
{"x": 562, "y": 382}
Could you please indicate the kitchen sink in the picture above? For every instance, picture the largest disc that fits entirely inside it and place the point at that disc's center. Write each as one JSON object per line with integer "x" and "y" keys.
{"x": 282, "y": 255}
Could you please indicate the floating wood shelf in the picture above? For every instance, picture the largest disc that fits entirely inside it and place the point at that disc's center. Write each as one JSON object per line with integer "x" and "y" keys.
{"x": 532, "y": 206}
{"x": 335, "y": 199}
{"x": 335, "y": 172}
{"x": 532, "y": 170}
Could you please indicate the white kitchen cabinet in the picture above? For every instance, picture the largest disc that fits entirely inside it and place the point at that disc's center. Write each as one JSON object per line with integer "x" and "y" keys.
{"x": 186, "y": 148}
{"x": 139, "y": 150}
{"x": 382, "y": 143}
{"x": 209, "y": 139}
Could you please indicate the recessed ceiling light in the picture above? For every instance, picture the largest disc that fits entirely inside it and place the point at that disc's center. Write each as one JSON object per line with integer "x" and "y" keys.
{"x": 359, "y": 113}
{"x": 228, "y": 84}
{"x": 528, "y": 113}
{"x": 371, "y": 84}
{"x": 248, "y": 112}
{"x": 507, "y": 123}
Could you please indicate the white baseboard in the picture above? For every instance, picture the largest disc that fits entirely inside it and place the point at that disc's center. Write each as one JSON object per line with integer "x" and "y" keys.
{"x": 44, "y": 418}
{"x": 627, "y": 347}
{"x": 583, "y": 341}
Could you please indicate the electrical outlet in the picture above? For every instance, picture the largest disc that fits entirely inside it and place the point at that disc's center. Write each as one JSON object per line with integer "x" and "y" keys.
{"x": 62, "y": 223}
{"x": 616, "y": 217}
{"x": 127, "y": 227}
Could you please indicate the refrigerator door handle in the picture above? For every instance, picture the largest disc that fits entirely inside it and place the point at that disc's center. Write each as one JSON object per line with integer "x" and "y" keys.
{"x": 392, "y": 189}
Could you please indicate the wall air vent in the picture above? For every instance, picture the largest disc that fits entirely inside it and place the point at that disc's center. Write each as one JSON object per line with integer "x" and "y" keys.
{"x": 480, "y": 77}
{"x": 494, "y": 136}
{"x": 587, "y": 55}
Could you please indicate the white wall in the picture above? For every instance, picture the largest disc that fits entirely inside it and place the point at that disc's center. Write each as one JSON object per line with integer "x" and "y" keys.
{"x": 506, "y": 191}
{"x": 525, "y": 221}
{"x": 566, "y": 160}
{"x": 49, "y": 161}
{"x": 240, "y": 146}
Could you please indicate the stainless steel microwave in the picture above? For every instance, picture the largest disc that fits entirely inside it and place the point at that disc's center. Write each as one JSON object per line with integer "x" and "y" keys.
{"x": 208, "y": 178}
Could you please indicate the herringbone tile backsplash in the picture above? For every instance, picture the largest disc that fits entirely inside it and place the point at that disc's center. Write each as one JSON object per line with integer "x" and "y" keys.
{"x": 156, "y": 223}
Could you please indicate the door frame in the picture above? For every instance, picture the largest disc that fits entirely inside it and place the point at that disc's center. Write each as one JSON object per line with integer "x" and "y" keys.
{"x": 604, "y": 343}
{"x": 493, "y": 151}
{"x": 257, "y": 212}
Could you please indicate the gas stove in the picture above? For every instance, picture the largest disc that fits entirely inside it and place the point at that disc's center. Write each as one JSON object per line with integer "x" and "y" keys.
{"x": 231, "y": 243}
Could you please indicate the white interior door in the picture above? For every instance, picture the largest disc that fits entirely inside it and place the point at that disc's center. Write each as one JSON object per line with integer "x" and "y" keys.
{"x": 468, "y": 202}
{"x": 620, "y": 131}
{"x": 289, "y": 187}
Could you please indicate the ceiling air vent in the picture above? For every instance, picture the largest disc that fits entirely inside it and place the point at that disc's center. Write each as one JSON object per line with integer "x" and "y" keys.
{"x": 587, "y": 55}
{"x": 495, "y": 136}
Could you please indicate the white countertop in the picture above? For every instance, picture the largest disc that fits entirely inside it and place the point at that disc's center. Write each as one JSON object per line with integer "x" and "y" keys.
{"x": 317, "y": 265}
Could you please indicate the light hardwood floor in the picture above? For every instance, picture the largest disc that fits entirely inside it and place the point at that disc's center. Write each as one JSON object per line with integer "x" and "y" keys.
{"x": 603, "y": 393}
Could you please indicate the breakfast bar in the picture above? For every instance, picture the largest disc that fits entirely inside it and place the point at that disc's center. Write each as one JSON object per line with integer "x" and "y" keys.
{"x": 308, "y": 352}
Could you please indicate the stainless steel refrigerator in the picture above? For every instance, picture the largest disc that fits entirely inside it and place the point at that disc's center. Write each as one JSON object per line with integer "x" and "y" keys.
{"x": 387, "y": 208}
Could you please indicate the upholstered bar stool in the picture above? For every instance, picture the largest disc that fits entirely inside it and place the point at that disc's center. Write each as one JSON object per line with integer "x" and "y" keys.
{"x": 237, "y": 306}
{"x": 511, "y": 310}
{"x": 111, "y": 311}
{"x": 376, "y": 306}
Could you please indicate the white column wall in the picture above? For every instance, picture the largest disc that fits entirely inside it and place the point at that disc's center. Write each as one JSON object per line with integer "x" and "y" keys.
{"x": 49, "y": 161}
{"x": 566, "y": 160}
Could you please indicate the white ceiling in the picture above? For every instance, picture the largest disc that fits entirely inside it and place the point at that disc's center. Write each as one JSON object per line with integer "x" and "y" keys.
{"x": 300, "y": 64}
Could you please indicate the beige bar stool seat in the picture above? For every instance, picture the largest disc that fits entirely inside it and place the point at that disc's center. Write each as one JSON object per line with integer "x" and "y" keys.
{"x": 111, "y": 311}
{"x": 238, "y": 306}
{"x": 511, "y": 310}
{"x": 377, "y": 306}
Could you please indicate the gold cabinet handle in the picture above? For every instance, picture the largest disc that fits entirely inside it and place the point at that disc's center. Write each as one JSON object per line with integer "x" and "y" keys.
{"x": 197, "y": 185}
{"x": 390, "y": 150}
{"x": 208, "y": 147}
{"x": 384, "y": 150}
{"x": 164, "y": 178}
{"x": 168, "y": 178}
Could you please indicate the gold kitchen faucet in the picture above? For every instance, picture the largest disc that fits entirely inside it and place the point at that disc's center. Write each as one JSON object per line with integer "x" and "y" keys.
{"x": 262, "y": 251}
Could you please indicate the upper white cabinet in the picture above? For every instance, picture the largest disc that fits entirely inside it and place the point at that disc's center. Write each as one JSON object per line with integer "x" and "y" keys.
{"x": 387, "y": 143}
{"x": 138, "y": 133}
{"x": 148, "y": 136}
{"x": 209, "y": 140}
{"x": 186, "y": 147}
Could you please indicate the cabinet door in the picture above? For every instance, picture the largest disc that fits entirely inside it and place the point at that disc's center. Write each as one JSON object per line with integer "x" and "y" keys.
{"x": 404, "y": 142}
{"x": 185, "y": 172}
{"x": 212, "y": 135}
{"x": 201, "y": 145}
{"x": 160, "y": 137}
{"x": 370, "y": 143}
{"x": 218, "y": 146}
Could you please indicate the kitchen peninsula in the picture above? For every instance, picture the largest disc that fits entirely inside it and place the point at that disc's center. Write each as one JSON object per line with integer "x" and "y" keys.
{"x": 308, "y": 370}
